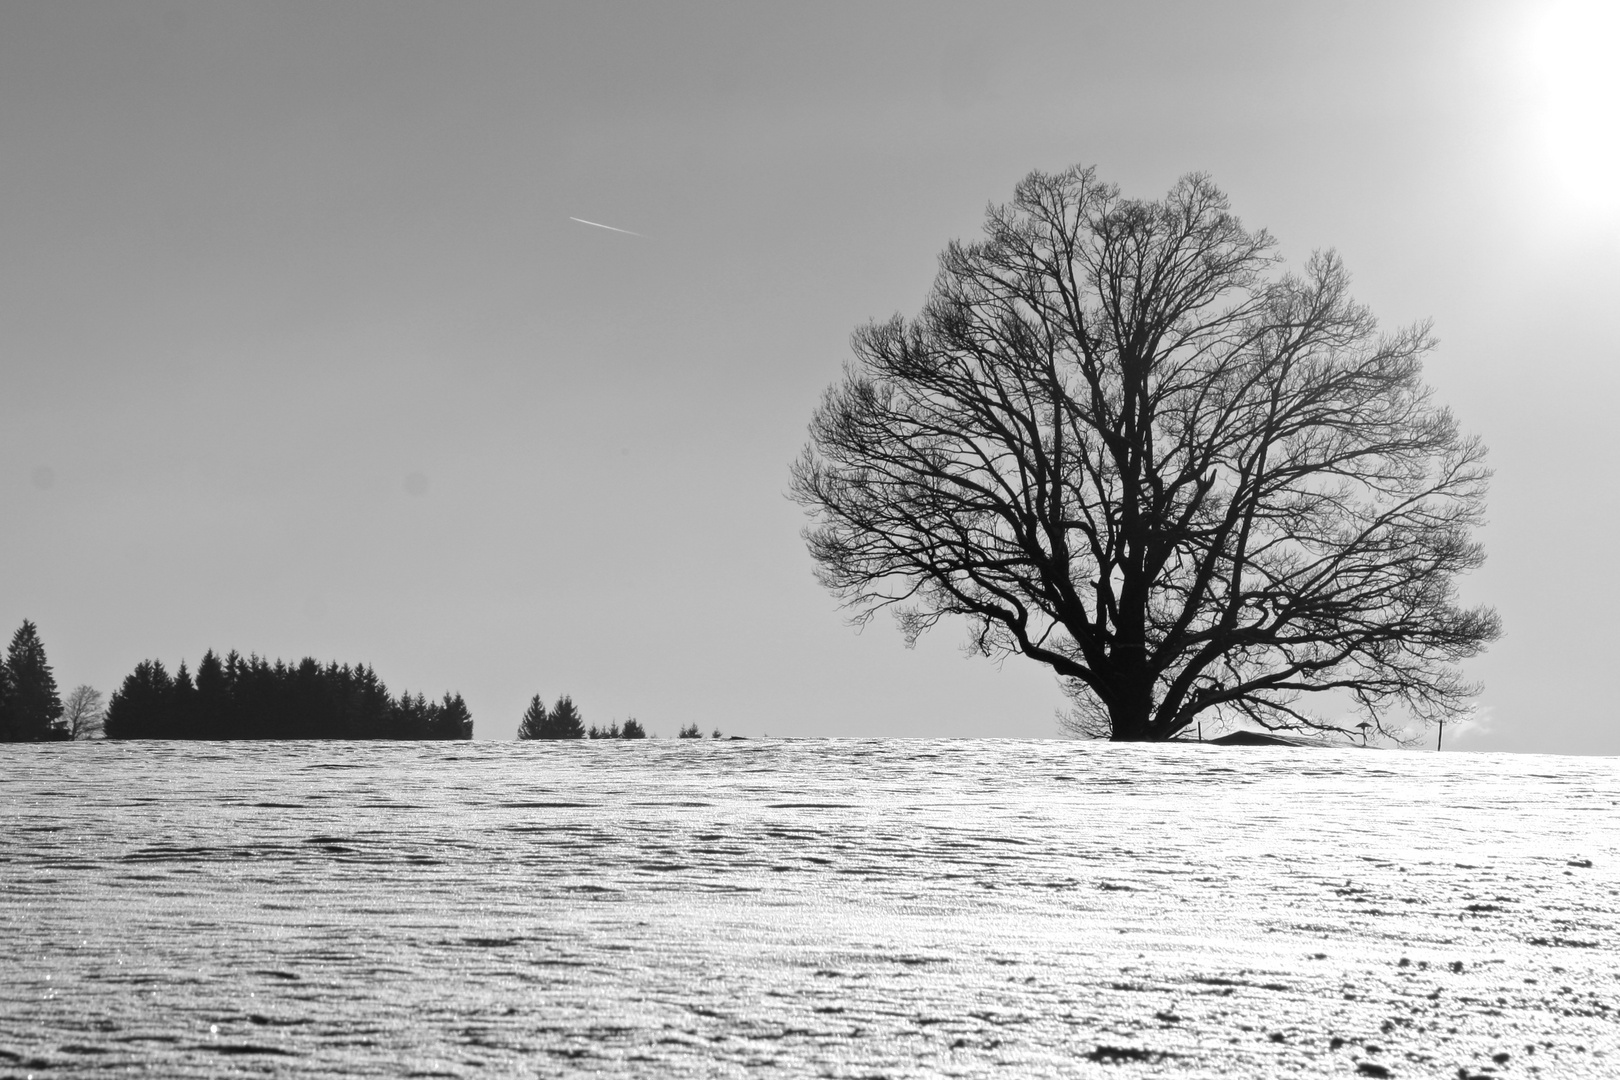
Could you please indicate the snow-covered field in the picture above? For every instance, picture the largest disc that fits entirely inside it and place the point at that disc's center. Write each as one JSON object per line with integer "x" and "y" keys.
{"x": 843, "y": 909}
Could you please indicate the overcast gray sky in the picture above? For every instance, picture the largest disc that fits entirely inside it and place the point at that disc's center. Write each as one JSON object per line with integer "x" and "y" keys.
{"x": 301, "y": 352}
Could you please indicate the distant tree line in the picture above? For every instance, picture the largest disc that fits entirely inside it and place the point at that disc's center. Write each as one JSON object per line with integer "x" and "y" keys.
{"x": 563, "y": 721}
{"x": 251, "y": 698}
{"x": 632, "y": 730}
{"x": 237, "y": 697}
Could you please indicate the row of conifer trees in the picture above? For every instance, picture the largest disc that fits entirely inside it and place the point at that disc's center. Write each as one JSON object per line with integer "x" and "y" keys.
{"x": 250, "y": 698}
{"x": 237, "y": 697}
{"x": 563, "y": 721}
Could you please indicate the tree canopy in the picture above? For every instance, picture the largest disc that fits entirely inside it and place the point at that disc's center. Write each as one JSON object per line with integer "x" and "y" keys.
{"x": 1120, "y": 441}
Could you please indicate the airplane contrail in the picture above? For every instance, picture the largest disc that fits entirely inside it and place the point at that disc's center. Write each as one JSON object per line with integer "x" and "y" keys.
{"x": 599, "y": 225}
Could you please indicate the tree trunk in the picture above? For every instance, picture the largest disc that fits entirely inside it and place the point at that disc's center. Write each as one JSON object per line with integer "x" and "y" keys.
{"x": 1131, "y": 711}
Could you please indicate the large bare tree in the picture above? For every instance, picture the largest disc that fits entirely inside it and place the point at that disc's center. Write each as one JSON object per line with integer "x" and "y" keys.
{"x": 1118, "y": 439}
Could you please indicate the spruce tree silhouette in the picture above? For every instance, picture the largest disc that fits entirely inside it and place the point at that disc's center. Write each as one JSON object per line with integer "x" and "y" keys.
{"x": 563, "y": 721}
{"x": 185, "y": 706}
{"x": 633, "y": 729}
{"x": 141, "y": 707}
{"x": 212, "y": 709}
{"x": 533, "y": 724}
{"x": 30, "y": 707}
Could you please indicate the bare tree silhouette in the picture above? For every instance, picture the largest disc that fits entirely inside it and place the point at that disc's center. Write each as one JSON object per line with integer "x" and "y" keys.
{"x": 84, "y": 712}
{"x": 1115, "y": 440}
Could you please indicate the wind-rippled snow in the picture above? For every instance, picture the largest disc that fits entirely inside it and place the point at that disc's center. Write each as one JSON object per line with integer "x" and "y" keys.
{"x": 805, "y": 908}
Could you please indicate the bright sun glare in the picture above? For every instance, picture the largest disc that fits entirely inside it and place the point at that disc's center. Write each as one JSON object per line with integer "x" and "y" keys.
{"x": 1572, "y": 52}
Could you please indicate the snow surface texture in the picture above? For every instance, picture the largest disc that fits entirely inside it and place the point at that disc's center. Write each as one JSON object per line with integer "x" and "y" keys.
{"x": 843, "y": 909}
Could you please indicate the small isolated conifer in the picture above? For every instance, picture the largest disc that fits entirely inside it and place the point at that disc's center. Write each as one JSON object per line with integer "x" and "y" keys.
{"x": 633, "y": 729}
{"x": 533, "y": 724}
{"x": 30, "y": 706}
{"x": 690, "y": 731}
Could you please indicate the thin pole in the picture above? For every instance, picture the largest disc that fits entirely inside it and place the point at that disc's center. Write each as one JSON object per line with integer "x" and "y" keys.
{"x": 1441, "y": 737}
